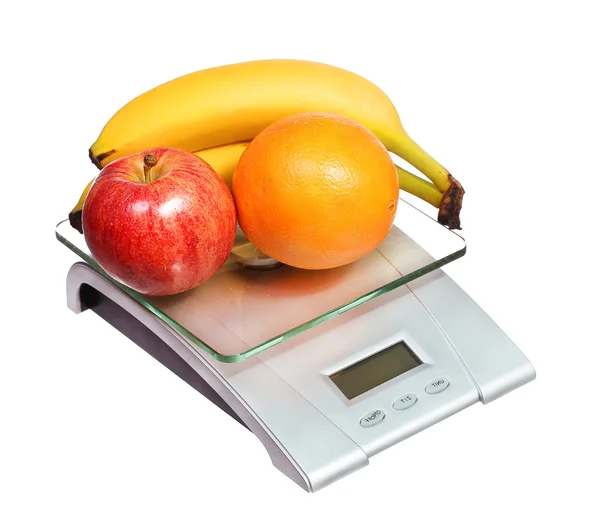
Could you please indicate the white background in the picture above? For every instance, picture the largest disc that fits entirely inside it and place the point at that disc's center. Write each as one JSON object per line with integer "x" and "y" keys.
{"x": 505, "y": 94}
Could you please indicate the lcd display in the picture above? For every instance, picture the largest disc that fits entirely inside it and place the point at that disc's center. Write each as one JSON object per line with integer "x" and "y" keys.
{"x": 375, "y": 370}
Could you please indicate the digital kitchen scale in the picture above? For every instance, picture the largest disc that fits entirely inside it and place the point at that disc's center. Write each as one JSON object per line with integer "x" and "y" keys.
{"x": 326, "y": 368}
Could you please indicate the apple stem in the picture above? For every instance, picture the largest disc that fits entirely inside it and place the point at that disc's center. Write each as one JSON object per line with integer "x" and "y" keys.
{"x": 149, "y": 162}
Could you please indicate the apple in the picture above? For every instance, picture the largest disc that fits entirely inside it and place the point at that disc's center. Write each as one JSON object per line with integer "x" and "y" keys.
{"x": 160, "y": 221}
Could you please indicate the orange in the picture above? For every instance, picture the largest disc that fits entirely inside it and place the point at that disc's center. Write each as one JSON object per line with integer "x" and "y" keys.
{"x": 315, "y": 191}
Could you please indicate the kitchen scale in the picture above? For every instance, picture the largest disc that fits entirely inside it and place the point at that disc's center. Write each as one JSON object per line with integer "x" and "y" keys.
{"x": 326, "y": 368}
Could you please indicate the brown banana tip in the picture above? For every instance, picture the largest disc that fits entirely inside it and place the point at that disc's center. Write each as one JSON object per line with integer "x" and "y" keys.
{"x": 449, "y": 213}
{"x": 75, "y": 220}
{"x": 97, "y": 160}
{"x": 93, "y": 158}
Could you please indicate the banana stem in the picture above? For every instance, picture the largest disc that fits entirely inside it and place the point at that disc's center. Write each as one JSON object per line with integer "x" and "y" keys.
{"x": 149, "y": 162}
{"x": 449, "y": 203}
{"x": 451, "y": 188}
{"x": 410, "y": 151}
{"x": 419, "y": 187}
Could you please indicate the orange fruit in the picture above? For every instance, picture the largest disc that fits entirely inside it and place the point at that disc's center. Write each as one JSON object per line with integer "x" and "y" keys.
{"x": 315, "y": 191}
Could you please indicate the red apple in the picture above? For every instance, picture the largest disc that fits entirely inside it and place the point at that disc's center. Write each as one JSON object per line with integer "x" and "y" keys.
{"x": 161, "y": 221}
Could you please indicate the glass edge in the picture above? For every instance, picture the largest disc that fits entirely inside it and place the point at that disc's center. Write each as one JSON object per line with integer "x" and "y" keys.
{"x": 434, "y": 221}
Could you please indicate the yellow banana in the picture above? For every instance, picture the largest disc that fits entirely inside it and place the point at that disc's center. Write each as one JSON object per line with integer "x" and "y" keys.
{"x": 224, "y": 159}
{"x": 75, "y": 214}
{"x": 233, "y": 103}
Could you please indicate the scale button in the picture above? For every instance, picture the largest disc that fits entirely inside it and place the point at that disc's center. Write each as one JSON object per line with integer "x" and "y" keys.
{"x": 372, "y": 418}
{"x": 406, "y": 401}
{"x": 437, "y": 385}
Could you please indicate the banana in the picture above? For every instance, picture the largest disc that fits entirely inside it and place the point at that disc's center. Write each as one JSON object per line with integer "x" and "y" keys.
{"x": 233, "y": 103}
{"x": 75, "y": 214}
{"x": 224, "y": 159}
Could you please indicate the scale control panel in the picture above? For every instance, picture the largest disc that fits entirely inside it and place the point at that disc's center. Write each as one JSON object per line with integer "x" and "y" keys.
{"x": 385, "y": 374}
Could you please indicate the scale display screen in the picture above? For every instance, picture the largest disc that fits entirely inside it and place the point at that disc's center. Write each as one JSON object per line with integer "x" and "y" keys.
{"x": 375, "y": 370}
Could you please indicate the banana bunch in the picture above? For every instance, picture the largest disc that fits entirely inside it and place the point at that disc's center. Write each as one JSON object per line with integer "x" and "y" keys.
{"x": 216, "y": 112}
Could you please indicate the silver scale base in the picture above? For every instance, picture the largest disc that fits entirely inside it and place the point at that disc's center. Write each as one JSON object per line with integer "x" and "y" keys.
{"x": 284, "y": 396}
